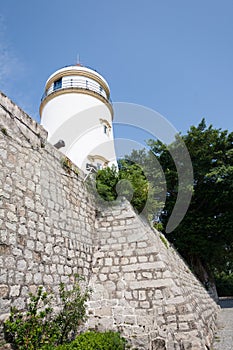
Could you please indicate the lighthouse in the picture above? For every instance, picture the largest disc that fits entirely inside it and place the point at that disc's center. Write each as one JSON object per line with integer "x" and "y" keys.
{"x": 76, "y": 111}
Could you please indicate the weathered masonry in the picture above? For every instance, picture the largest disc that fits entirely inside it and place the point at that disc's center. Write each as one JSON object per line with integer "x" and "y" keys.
{"x": 50, "y": 229}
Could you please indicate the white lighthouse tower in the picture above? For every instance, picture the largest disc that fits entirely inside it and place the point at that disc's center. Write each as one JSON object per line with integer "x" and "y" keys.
{"x": 77, "y": 113}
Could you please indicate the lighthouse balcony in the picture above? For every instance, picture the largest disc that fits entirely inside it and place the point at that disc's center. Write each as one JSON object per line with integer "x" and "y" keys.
{"x": 76, "y": 83}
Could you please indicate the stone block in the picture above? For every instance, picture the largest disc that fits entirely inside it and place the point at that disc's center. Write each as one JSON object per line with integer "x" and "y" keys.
{"x": 11, "y": 226}
{"x": 147, "y": 275}
{"x": 142, "y": 259}
{"x": 131, "y": 320}
{"x": 108, "y": 261}
{"x": 103, "y": 311}
{"x": 113, "y": 276}
{"x": 19, "y": 303}
{"x": 14, "y": 291}
{"x": 141, "y": 295}
{"x": 28, "y": 277}
{"x": 183, "y": 326}
{"x": 12, "y": 217}
{"x": 158, "y": 283}
{"x": 158, "y": 344}
{"x": 105, "y": 323}
{"x": 171, "y": 318}
{"x": 4, "y": 290}
{"x": 3, "y": 276}
{"x": 10, "y": 262}
{"x": 158, "y": 294}
{"x": 19, "y": 278}
{"x": 176, "y": 300}
{"x": 22, "y": 264}
{"x": 39, "y": 247}
{"x": 144, "y": 304}
{"x": 124, "y": 261}
{"x": 37, "y": 278}
{"x": 102, "y": 277}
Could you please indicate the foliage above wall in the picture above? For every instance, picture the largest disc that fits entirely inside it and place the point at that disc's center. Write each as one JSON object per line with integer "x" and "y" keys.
{"x": 131, "y": 182}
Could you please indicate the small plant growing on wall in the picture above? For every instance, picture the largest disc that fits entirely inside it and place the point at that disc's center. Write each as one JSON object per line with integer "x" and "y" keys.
{"x": 4, "y": 131}
{"x": 165, "y": 242}
{"x": 68, "y": 166}
{"x": 76, "y": 171}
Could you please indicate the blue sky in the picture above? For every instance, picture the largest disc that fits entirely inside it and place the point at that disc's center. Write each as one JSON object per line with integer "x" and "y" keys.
{"x": 175, "y": 57}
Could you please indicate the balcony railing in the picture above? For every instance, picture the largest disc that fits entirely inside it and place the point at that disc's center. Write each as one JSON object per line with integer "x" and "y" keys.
{"x": 77, "y": 83}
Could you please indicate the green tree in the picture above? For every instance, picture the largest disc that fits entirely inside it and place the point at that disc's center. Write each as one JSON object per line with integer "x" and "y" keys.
{"x": 72, "y": 310}
{"x": 129, "y": 181}
{"x": 205, "y": 236}
{"x": 133, "y": 184}
{"x": 106, "y": 181}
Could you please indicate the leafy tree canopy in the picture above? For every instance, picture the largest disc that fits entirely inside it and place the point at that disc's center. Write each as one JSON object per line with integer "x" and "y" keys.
{"x": 129, "y": 181}
{"x": 205, "y": 236}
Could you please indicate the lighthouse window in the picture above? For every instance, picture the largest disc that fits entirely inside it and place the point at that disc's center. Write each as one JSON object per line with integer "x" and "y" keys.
{"x": 57, "y": 84}
{"x": 105, "y": 129}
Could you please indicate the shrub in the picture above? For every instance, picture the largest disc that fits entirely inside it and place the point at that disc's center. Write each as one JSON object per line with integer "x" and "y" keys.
{"x": 94, "y": 341}
{"x": 38, "y": 326}
{"x": 73, "y": 310}
{"x": 32, "y": 329}
{"x": 224, "y": 284}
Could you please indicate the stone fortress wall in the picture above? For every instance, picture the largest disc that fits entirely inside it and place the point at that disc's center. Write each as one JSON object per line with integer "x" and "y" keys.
{"x": 50, "y": 228}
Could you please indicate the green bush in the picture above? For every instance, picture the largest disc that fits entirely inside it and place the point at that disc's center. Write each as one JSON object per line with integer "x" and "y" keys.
{"x": 224, "y": 284}
{"x": 39, "y": 326}
{"x": 32, "y": 329}
{"x": 94, "y": 341}
{"x": 73, "y": 311}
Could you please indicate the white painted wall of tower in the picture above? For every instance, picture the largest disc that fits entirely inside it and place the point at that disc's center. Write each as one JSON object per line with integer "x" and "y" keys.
{"x": 74, "y": 112}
